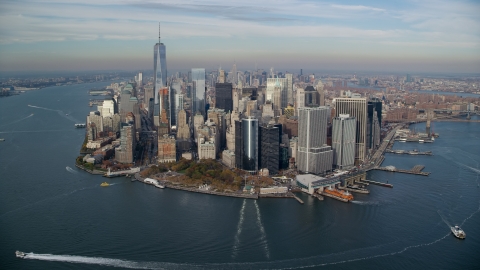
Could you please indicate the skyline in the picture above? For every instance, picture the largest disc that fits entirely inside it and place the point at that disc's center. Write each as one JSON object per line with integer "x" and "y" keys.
{"x": 411, "y": 36}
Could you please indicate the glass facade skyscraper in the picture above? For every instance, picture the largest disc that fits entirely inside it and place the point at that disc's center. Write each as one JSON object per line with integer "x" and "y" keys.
{"x": 198, "y": 91}
{"x": 159, "y": 68}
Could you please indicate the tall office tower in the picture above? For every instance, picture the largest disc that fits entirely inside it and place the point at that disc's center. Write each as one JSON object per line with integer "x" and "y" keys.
{"x": 321, "y": 93}
{"x": 148, "y": 94}
{"x": 221, "y": 76}
{"x": 230, "y": 136}
{"x": 198, "y": 121}
{"x": 374, "y": 122}
{"x": 223, "y": 96}
{"x": 198, "y": 91}
{"x": 91, "y": 131}
{"x": 175, "y": 102}
{"x": 409, "y": 78}
{"x": 343, "y": 141}
{"x": 311, "y": 96}
{"x": 289, "y": 79}
{"x": 300, "y": 100}
{"x": 269, "y": 148}
{"x": 218, "y": 117}
{"x": 234, "y": 75}
{"x": 246, "y": 144}
{"x": 183, "y": 131}
{"x": 277, "y": 93}
{"x": 314, "y": 156}
{"x": 94, "y": 117}
{"x": 355, "y": 107}
{"x": 139, "y": 79}
{"x": 124, "y": 153}
{"x": 159, "y": 66}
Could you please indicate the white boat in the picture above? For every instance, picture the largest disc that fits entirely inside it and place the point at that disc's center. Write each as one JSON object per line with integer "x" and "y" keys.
{"x": 2, "y": 139}
{"x": 421, "y": 141}
{"x": 403, "y": 139}
{"x": 458, "y": 232}
{"x": 19, "y": 254}
{"x": 160, "y": 186}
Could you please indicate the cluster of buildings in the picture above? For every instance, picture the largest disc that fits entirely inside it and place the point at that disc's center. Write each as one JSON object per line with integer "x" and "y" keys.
{"x": 257, "y": 121}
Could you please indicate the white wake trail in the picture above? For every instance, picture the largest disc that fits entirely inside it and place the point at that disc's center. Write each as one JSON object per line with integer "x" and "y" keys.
{"x": 17, "y": 120}
{"x": 239, "y": 229}
{"x": 68, "y": 168}
{"x": 263, "y": 238}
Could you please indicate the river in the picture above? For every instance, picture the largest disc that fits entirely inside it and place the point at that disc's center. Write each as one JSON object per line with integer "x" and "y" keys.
{"x": 63, "y": 219}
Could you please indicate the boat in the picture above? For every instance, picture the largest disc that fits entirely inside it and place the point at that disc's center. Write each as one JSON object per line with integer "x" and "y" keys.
{"x": 421, "y": 141}
{"x": 104, "y": 184}
{"x": 403, "y": 139}
{"x": 339, "y": 193}
{"x": 2, "y": 139}
{"x": 80, "y": 125}
{"x": 19, "y": 254}
{"x": 458, "y": 232}
{"x": 160, "y": 186}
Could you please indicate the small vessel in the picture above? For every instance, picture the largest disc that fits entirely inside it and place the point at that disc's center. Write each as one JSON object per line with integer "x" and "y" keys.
{"x": 160, "y": 186}
{"x": 104, "y": 184}
{"x": 80, "y": 125}
{"x": 421, "y": 141}
{"x": 458, "y": 232}
{"x": 19, "y": 254}
{"x": 2, "y": 139}
{"x": 403, "y": 139}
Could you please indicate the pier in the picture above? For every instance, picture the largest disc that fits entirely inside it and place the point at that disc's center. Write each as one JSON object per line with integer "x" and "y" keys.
{"x": 357, "y": 190}
{"x": 379, "y": 183}
{"x": 417, "y": 169}
{"x": 298, "y": 199}
{"x": 403, "y": 152}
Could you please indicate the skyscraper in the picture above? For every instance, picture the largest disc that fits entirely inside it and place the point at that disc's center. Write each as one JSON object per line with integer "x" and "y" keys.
{"x": 269, "y": 148}
{"x": 314, "y": 155}
{"x": 198, "y": 91}
{"x": 343, "y": 141}
{"x": 374, "y": 122}
{"x": 355, "y": 107}
{"x": 223, "y": 96}
{"x": 246, "y": 144}
{"x": 159, "y": 66}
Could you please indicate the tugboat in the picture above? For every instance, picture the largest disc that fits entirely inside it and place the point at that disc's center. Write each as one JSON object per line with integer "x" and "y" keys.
{"x": 458, "y": 232}
{"x": 19, "y": 254}
{"x": 104, "y": 184}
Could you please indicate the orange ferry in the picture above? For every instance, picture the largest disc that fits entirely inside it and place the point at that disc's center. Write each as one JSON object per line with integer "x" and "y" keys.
{"x": 339, "y": 193}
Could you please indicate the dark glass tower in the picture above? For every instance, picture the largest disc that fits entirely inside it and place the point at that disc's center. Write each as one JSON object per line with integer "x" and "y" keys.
{"x": 223, "y": 96}
{"x": 269, "y": 148}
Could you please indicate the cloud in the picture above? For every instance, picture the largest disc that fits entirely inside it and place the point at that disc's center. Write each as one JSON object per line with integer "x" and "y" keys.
{"x": 358, "y": 8}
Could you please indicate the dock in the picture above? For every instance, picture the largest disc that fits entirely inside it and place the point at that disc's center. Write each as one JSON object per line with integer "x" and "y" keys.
{"x": 357, "y": 190}
{"x": 417, "y": 169}
{"x": 403, "y": 152}
{"x": 378, "y": 183}
{"x": 298, "y": 199}
{"x": 318, "y": 196}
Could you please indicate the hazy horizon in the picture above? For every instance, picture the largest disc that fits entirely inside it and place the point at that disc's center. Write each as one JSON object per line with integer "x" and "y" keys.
{"x": 405, "y": 37}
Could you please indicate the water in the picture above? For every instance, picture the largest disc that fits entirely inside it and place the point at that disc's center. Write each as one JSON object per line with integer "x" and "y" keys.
{"x": 65, "y": 220}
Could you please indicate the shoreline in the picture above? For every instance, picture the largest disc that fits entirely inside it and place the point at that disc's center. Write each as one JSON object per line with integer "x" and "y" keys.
{"x": 94, "y": 172}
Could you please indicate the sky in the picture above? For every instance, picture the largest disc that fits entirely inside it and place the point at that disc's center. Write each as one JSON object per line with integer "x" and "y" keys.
{"x": 354, "y": 36}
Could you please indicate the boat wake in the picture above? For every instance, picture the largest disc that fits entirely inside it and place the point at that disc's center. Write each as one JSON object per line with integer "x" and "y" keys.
{"x": 71, "y": 170}
{"x": 17, "y": 120}
{"x": 263, "y": 238}
{"x": 60, "y": 112}
{"x": 239, "y": 229}
{"x": 444, "y": 219}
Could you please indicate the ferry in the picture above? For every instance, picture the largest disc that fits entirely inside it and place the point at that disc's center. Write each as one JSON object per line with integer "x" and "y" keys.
{"x": 459, "y": 233}
{"x": 80, "y": 125}
{"x": 104, "y": 184}
{"x": 19, "y": 254}
{"x": 339, "y": 193}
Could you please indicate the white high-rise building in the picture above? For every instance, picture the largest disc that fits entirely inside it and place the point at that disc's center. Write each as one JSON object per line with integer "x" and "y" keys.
{"x": 355, "y": 107}
{"x": 343, "y": 141}
{"x": 314, "y": 155}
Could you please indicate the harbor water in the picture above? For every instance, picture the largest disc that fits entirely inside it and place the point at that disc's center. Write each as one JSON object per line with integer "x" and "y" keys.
{"x": 63, "y": 219}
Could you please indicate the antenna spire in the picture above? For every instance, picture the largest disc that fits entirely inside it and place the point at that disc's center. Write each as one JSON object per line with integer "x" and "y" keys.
{"x": 158, "y": 32}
